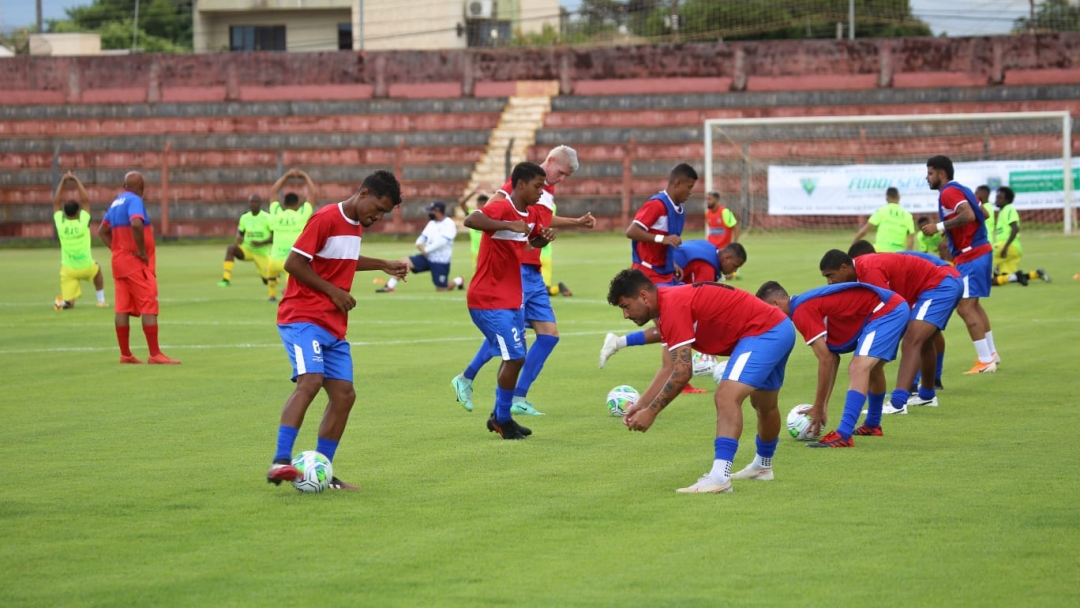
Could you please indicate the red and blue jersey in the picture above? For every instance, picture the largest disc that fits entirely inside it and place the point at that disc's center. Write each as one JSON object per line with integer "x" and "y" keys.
{"x": 711, "y": 317}
{"x": 544, "y": 210}
{"x": 969, "y": 241}
{"x": 839, "y": 312}
{"x": 125, "y": 208}
{"x": 659, "y": 216}
{"x": 331, "y": 241}
{"x": 907, "y": 275}
{"x": 497, "y": 282}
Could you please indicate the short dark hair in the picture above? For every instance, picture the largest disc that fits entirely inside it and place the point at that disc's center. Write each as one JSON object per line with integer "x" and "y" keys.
{"x": 860, "y": 247}
{"x": 683, "y": 170}
{"x": 892, "y": 192}
{"x": 483, "y": 198}
{"x": 627, "y": 284}
{"x": 769, "y": 289}
{"x": 525, "y": 171}
{"x": 737, "y": 249}
{"x": 983, "y": 187}
{"x": 291, "y": 199}
{"x": 924, "y": 220}
{"x": 941, "y": 163}
{"x": 833, "y": 258}
{"x": 383, "y": 184}
{"x": 1008, "y": 193}
{"x": 71, "y": 208}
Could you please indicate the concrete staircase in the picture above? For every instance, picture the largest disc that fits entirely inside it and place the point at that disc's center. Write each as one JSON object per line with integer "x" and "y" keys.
{"x": 522, "y": 117}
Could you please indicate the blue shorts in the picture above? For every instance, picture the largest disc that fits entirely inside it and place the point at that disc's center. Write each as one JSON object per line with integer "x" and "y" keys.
{"x": 536, "y": 303}
{"x": 936, "y": 305}
{"x": 760, "y": 361}
{"x": 313, "y": 350}
{"x": 975, "y": 276}
{"x": 503, "y": 329}
{"x": 440, "y": 273}
{"x": 881, "y": 337}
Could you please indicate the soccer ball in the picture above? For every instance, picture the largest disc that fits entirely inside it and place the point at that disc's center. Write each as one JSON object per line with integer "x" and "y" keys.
{"x": 704, "y": 364}
{"x": 315, "y": 471}
{"x": 718, "y": 371}
{"x": 620, "y": 398}
{"x": 798, "y": 422}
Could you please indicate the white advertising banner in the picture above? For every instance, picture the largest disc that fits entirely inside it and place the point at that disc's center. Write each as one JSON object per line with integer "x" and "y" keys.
{"x": 860, "y": 189}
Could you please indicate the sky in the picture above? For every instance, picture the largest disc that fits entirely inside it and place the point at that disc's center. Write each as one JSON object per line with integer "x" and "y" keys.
{"x": 956, "y": 17}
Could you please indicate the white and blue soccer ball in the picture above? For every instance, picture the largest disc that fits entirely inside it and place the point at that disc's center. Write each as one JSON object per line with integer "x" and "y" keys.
{"x": 315, "y": 472}
{"x": 704, "y": 364}
{"x": 718, "y": 371}
{"x": 798, "y": 422}
{"x": 620, "y": 398}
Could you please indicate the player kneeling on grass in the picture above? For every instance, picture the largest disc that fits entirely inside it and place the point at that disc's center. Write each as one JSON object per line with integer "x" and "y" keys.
{"x": 838, "y": 319}
{"x": 314, "y": 315}
{"x": 713, "y": 319}
{"x": 436, "y": 247}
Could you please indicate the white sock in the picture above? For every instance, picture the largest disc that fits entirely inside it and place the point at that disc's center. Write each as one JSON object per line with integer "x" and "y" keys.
{"x": 391, "y": 283}
{"x": 620, "y": 343}
{"x": 762, "y": 463}
{"x": 458, "y": 281}
{"x": 990, "y": 340}
{"x": 101, "y": 295}
{"x": 982, "y": 349}
{"x": 721, "y": 470}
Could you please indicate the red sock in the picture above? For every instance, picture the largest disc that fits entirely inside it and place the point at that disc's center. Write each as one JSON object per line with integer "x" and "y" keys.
{"x": 151, "y": 339}
{"x": 122, "y": 335}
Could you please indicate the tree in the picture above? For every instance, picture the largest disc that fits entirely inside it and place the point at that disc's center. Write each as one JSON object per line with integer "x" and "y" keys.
{"x": 1051, "y": 16}
{"x": 165, "y": 26}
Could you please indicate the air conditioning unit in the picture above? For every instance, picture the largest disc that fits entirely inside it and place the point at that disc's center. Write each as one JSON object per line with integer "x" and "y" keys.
{"x": 479, "y": 9}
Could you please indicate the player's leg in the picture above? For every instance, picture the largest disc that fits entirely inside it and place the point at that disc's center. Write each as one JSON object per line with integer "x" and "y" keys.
{"x": 858, "y": 386}
{"x": 70, "y": 290}
{"x": 975, "y": 277}
{"x": 232, "y": 252}
{"x": 146, "y": 301}
{"x": 416, "y": 263}
{"x": 614, "y": 343}
{"x": 440, "y": 276}
{"x": 502, "y": 328}
{"x": 919, "y": 333}
{"x": 939, "y": 350}
{"x": 99, "y": 286}
{"x": 338, "y": 382}
{"x": 1008, "y": 267}
{"x": 537, "y": 309}
{"x": 462, "y": 382}
{"x": 301, "y": 341}
{"x": 262, "y": 266}
{"x": 728, "y": 400}
{"x": 989, "y": 332}
{"x": 124, "y": 307}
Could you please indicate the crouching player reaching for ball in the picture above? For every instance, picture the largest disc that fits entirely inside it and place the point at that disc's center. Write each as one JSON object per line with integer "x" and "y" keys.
{"x": 713, "y": 319}
{"x": 844, "y": 318}
{"x": 314, "y": 315}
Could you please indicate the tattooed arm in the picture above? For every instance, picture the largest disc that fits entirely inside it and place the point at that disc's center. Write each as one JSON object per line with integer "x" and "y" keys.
{"x": 679, "y": 366}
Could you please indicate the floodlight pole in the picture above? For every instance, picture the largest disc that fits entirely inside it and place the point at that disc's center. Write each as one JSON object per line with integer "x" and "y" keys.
{"x": 851, "y": 19}
{"x": 135, "y": 28}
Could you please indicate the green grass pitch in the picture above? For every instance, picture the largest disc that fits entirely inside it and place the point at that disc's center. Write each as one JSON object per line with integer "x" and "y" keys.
{"x": 144, "y": 486}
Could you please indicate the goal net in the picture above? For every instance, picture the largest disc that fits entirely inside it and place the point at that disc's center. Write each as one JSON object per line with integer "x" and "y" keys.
{"x": 832, "y": 172}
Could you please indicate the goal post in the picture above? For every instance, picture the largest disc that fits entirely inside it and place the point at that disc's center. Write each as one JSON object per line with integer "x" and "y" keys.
{"x": 818, "y": 172}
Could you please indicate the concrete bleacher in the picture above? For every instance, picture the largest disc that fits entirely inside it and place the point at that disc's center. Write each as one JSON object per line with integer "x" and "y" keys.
{"x": 215, "y": 154}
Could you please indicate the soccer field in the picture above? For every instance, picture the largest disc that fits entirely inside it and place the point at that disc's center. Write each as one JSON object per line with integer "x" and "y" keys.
{"x": 145, "y": 485}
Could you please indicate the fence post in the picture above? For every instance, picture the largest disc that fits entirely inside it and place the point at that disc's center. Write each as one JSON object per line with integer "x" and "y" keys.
{"x": 165, "y": 190}
{"x": 399, "y": 154}
{"x": 627, "y": 181}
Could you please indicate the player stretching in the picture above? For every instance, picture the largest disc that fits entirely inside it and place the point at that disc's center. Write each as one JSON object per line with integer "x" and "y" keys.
{"x": 436, "y": 247}
{"x": 495, "y": 293}
{"x": 76, "y": 258}
{"x": 844, "y": 318}
{"x": 963, "y": 223}
{"x": 930, "y": 290}
{"x": 252, "y": 244}
{"x": 314, "y": 314}
{"x": 1007, "y": 248}
{"x": 561, "y": 162}
{"x": 713, "y": 319}
{"x": 700, "y": 262}
{"x": 127, "y": 232}
{"x": 287, "y": 221}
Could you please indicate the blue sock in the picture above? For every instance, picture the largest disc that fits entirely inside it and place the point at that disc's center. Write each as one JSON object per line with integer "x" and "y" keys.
{"x": 766, "y": 449}
{"x": 503, "y": 400}
{"x": 635, "y": 339}
{"x": 326, "y": 447}
{"x": 940, "y": 365}
{"x": 724, "y": 448}
{"x": 926, "y": 393}
{"x": 286, "y": 438}
{"x": 852, "y": 409}
{"x": 875, "y": 401}
{"x": 534, "y": 362}
{"x": 482, "y": 356}
{"x": 899, "y": 398}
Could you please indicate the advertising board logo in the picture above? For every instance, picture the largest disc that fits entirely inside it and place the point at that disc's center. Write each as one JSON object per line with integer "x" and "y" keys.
{"x": 808, "y": 184}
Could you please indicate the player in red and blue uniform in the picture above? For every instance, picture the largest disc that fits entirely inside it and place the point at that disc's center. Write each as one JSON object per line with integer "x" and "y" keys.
{"x": 495, "y": 293}
{"x": 843, "y": 318}
{"x": 314, "y": 315}
{"x": 127, "y": 232}
{"x": 964, "y": 226}
{"x": 714, "y": 319}
{"x": 560, "y": 163}
{"x": 931, "y": 291}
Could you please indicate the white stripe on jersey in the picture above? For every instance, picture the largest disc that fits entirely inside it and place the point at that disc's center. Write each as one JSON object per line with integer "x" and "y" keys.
{"x": 341, "y": 247}
{"x": 510, "y": 235}
{"x": 547, "y": 199}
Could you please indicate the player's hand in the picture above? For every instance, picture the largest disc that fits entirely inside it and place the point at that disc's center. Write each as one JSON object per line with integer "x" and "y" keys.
{"x": 1004, "y": 251}
{"x": 587, "y": 221}
{"x": 929, "y": 229}
{"x": 343, "y": 300}
{"x": 672, "y": 240}
{"x": 818, "y": 418}
{"x": 678, "y": 273}
{"x": 545, "y": 236}
{"x": 141, "y": 256}
{"x": 397, "y": 269}
{"x": 639, "y": 417}
{"x": 69, "y": 175}
{"x": 518, "y": 226}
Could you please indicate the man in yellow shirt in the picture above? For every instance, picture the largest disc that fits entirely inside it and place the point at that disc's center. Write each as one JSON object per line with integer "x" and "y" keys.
{"x": 287, "y": 221}
{"x": 252, "y": 244}
{"x": 982, "y": 194}
{"x": 1007, "y": 247}
{"x": 76, "y": 259}
{"x": 895, "y": 226}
